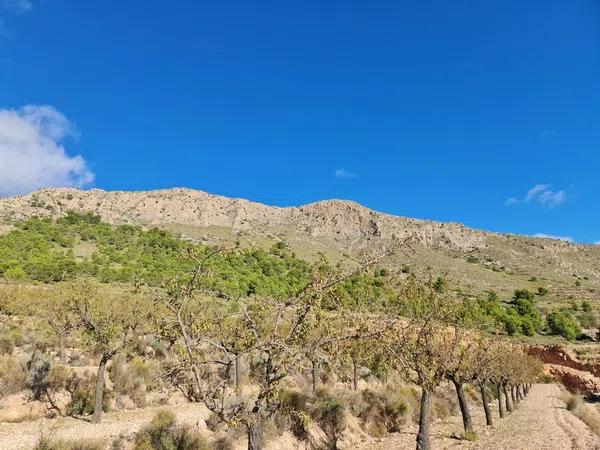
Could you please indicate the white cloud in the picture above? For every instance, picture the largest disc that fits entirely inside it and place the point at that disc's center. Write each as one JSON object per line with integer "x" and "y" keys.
{"x": 32, "y": 155}
{"x": 542, "y": 194}
{"x": 17, "y": 6}
{"x": 343, "y": 173}
{"x": 552, "y": 236}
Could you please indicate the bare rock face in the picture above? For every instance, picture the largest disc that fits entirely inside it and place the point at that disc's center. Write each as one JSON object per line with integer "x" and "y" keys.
{"x": 475, "y": 260}
{"x": 331, "y": 219}
{"x": 557, "y": 355}
{"x": 576, "y": 381}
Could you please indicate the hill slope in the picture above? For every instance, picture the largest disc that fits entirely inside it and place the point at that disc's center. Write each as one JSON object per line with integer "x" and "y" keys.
{"x": 474, "y": 260}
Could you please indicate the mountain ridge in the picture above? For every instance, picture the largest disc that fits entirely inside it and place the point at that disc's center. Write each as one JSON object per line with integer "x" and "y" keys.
{"x": 474, "y": 260}
{"x": 54, "y": 204}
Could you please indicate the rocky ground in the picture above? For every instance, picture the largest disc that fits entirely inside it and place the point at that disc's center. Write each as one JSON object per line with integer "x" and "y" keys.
{"x": 540, "y": 423}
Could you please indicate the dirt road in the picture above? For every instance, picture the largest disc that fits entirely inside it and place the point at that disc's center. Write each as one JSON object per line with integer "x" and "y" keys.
{"x": 540, "y": 423}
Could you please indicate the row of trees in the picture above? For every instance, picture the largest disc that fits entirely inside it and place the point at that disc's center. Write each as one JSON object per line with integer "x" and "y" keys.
{"x": 424, "y": 336}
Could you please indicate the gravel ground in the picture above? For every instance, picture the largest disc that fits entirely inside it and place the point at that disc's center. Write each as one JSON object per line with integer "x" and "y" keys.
{"x": 24, "y": 435}
{"x": 540, "y": 423}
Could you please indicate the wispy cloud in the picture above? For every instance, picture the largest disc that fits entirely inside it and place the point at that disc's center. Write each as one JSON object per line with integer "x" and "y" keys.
{"x": 597, "y": 243}
{"x": 4, "y": 33}
{"x": 32, "y": 152}
{"x": 547, "y": 134}
{"x": 345, "y": 174}
{"x": 553, "y": 236}
{"x": 17, "y": 6}
{"x": 542, "y": 194}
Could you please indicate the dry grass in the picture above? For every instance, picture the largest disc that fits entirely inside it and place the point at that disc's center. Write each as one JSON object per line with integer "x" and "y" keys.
{"x": 48, "y": 444}
{"x": 12, "y": 376}
{"x": 582, "y": 410}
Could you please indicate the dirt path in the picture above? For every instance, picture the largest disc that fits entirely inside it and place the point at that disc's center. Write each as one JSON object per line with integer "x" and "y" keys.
{"x": 540, "y": 423}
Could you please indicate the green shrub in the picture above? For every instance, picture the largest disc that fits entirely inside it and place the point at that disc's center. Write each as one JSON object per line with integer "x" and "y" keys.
{"x": 82, "y": 390}
{"x": 587, "y": 320}
{"x": 130, "y": 378}
{"x": 10, "y": 338}
{"x": 382, "y": 411}
{"x": 563, "y": 324}
{"x": 15, "y": 274}
{"x": 330, "y": 414}
{"x": 295, "y": 407}
{"x": 163, "y": 433}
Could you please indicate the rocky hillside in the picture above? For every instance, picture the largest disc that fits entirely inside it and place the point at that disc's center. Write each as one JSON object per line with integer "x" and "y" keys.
{"x": 474, "y": 259}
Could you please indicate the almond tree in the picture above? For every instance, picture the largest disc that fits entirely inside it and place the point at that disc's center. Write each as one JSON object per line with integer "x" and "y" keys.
{"x": 423, "y": 346}
{"x": 60, "y": 318}
{"x": 276, "y": 334}
{"x": 109, "y": 324}
{"x": 493, "y": 350}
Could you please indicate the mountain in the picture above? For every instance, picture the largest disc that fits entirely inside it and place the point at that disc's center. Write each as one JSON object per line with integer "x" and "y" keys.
{"x": 474, "y": 260}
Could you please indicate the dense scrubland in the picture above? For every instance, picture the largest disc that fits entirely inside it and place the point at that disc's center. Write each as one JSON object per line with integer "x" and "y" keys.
{"x": 96, "y": 318}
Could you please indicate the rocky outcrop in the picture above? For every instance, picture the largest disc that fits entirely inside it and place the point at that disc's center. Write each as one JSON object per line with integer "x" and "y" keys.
{"x": 337, "y": 220}
{"x": 557, "y": 355}
{"x": 576, "y": 381}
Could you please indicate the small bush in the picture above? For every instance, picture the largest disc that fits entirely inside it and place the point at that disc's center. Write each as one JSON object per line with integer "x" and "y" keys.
{"x": 223, "y": 443}
{"x": 330, "y": 414}
{"x": 10, "y": 338}
{"x": 383, "y": 412}
{"x": 163, "y": 433}
{"x": 584, "y": 411}
{"x": 295, "y": 409}
{"x": 38, "y": 370}
{"x": 45, "y": 443}
{"x": 82, "y": 390}
{"x": 131, "y": 378}
{"x": 563, "y": 324}
{"x": 574, "y": 402}
{"x": 12, "y": 376}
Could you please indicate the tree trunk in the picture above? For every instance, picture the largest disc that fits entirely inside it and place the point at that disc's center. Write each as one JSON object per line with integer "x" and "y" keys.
{"x": 423, "y": 440}
{"x": 62, "y": 356}
{"x": 513, "y": 395}
{"x": 236, "y": 372}
{"x": 255, "y": 435}
{"x": 99, "y": 389}
{"x": 314, "y": 373}
{"x": 486, "y": 406}
{"x": 500, "y": 401}
{"x": 509, "y": 406}
{"x": 354, "y": 375}
{"x": 464, "y": 408}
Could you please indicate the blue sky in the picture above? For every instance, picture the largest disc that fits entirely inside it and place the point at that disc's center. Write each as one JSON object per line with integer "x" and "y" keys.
{"x": 482, "y": 112}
